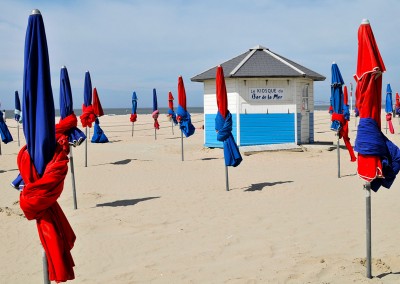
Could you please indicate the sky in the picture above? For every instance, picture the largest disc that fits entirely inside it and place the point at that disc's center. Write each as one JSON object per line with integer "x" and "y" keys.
{"x": 130, "y": 45}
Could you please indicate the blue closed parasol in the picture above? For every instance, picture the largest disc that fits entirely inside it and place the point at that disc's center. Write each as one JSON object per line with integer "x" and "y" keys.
{"x": 389, "y": 109}
{"x": 42, "y": 163}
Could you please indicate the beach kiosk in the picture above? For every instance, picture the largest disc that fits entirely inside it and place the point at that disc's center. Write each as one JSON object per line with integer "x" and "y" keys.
{"x": 270, "y": 98}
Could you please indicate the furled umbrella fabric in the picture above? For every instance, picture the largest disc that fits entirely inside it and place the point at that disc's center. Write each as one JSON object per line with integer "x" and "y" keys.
{"x": 378, "y": 158}
{"x": 17, "y": 110}
{"x": 67, "y": 126}
{"x": 155, "y": 113}
{"x": 88, "y": 116}
{"x": 389, "y": 108}
{"x": 336, "y": 98}
{"x": 344, "y": 131}
{"x": 133, "y": 117}
{"x": 223, "y": 123}
{"x": 42, "y": 162}
{"x": 171, "y": 112}
{"x": 97, "y": 108}
{"x": 183, "y": 116}
{"x": 4, "y": 132}
{"x": 397, "y": 104}
{"x": 98, "y": 133}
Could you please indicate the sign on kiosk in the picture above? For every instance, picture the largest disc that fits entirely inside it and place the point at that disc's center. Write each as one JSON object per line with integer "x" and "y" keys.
{"x": 267, "y": 94}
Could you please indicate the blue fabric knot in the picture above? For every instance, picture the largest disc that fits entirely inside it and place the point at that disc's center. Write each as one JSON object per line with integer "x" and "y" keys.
{"x": 186, "y": 122}
{"x": 173, "y": 116}
{"x": 371, "y": 141}
{"x": 223, "y": 126}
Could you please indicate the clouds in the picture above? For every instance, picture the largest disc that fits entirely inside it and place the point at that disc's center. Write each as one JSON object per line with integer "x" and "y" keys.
{"x": 140, "y": 45}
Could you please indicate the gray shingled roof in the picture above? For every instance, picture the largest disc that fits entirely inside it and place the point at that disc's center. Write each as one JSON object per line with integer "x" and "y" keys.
{"x": 260, "y": 62}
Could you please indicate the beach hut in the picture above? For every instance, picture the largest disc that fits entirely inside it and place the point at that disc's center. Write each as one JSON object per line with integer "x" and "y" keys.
{"x": 271, "y": 99}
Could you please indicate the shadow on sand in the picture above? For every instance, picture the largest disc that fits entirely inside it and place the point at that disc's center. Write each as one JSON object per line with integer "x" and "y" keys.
{"x": 260, "y": 186}
{"x": 125, "y": 202}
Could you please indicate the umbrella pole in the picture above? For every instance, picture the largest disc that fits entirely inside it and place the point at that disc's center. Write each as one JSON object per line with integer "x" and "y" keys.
{"x": 367, "y": 187}
{"x": 338, "y": 156}
{"x": 155, "y": 134}
{"x": 0, "y": 147}
{"x": 45, "y": 269}
{"x": 182, "y": 144}
{"x": 386, "y": 126}
{"x": 172, "y": 127}
{"x": 86, "y": 146}
{"x": 71, "y": 158}
{"x": 226, "y": 178}
{"x": 132, "y": 128}
{"x": 18, "y": 133}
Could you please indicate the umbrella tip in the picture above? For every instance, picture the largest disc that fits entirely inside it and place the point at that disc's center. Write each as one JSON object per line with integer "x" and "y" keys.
{"x": 333, "y": 62}
{"x": 63, "y": 67}
{"x": 365, "y": 22}
{"x": 36, "y": 12}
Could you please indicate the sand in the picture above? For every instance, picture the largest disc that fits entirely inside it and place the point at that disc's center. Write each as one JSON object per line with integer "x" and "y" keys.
{"x": 144, "y": 216}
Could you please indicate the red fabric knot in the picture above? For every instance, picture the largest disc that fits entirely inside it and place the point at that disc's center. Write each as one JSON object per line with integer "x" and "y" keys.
{"x": 88, "y": 116}
{"x": 155, "y": 117}
{"x": 390, "y": 123}
{"x": 38, "y": 200}
{"x": 388, "y": 117}
{"x": 63, "y": 127}
{"x": 338, "y": 117}
{"x": 133, "y": 117}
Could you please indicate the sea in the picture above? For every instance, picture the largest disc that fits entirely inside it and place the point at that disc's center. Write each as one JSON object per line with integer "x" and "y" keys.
{"x": 123, "y": 111}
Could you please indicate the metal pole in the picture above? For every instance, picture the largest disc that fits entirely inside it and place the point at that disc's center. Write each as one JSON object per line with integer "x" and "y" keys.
{"x": 338, "y": 156}
{"x": 18, "y": 133}
{"x": 45, "y": 269}
{"x": 0, "y": 147}
{"x": 155, "y": 134}
{"x": 386, "y": 126}
{"x": 132, "y": 128}
{"x": 86, "y": 146}
{"x": 226, "y": 178}
{"x": 172, "y": 127}
{"x": 71, "y": 158}
{"x": 368, "y": 227}
{"x": 182, "y": 144}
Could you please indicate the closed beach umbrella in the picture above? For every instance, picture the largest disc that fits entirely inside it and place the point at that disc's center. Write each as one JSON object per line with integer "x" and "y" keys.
{"x": 4, "y": 132}
{"x": 87, "y": 117}
{"x": 223, "y": 125}
{"x": 171, "y": 112}
{"x": 378, "y": 158}
{"x": 397, "y": 104}
{"x": 66, "y": 130}
{"x": 155, "y": 113}
{"x": 42, "y": 162}
{"x": 97, "y": 108}
{"x": 17, "y": 110}
{"x": 98, "y": 133}
{"x": 344, "y": 131}
{"x": 183, "y": 116}
{"x": 68, "y": 121}
{"x": 133, "y": 117}
{"x": 389, "y": 108}
{"x": 336, "y": 98}
{"x": 17, "y": 113}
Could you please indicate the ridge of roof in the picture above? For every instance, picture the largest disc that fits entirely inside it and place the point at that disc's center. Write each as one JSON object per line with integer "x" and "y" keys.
{"x": 284, "y": 61}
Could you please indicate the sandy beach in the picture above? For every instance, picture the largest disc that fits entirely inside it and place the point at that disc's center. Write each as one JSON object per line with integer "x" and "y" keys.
{"x": 144, "y": 216}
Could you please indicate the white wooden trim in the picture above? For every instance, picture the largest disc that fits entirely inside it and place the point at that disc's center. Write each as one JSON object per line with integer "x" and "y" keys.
{"x": 242, "y": 62}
